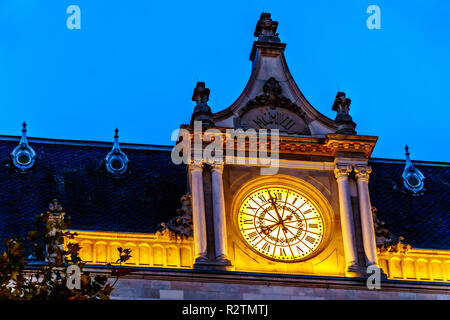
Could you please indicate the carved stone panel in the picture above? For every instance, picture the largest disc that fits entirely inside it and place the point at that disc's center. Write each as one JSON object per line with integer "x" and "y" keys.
{"x": 267, "y": 118}
{"x": 272, "y": 110}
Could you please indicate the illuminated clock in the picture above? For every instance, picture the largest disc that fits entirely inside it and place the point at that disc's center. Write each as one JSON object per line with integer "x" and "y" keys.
{"x": 281, "y": 223}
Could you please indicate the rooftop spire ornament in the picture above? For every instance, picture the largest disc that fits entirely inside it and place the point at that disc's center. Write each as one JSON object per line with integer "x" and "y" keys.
{"x": 23, "y": 156}
{"x": 202, "y": 112}
{"x": 266, "y": 29}
{"x": 343, "y": 119}
{"x": 116, "y": 161}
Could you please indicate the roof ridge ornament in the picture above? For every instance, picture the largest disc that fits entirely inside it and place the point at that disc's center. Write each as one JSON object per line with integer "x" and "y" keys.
{"x": 116, "y": 160}
{"x": 266, "y": 29}
{"x": 343, "y": 119}
{"x": 23, "y": 156}
{"x": 413, "y": 178}
{"x": 202, "y": 112}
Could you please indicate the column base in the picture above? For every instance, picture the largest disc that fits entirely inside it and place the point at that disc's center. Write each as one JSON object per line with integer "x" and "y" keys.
{"x": 222, "y": 264}
{"x": 355, "y": 271}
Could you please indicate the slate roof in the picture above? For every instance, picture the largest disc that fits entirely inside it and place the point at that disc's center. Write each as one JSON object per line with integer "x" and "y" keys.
{"x": 424, "y": 221}
{"x": 73, "y": 172}
{"x": 149, "y": 193}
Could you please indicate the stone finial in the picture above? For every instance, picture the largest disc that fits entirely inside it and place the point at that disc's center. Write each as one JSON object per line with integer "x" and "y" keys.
{"x": 23, "y": 156}
{"x": 342, "y": 107}
{"x": 413, "y": 178}
{"x": 55, "y": 206}
{"x": 116, "y": 160}
{"x": 179, "y": 227}
{"x": 266, "y": 29}
{"x": 202, "y": 112}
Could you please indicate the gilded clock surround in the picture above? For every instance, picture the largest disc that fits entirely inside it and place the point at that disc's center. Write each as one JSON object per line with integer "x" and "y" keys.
{"x": 302, "y": 187}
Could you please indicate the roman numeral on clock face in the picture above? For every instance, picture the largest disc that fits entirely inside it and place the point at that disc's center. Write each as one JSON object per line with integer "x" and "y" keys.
{"x": 282, "y": 252}
{"x": 253, "y": 235}
{"x": 313, "y": 225}
{"x": 310, "y": 239}
{"x": 307, "y": 211}
{"x": 249, "y": 221}
{"x": 262, "y": 198}
{"x": 266, "y": 247}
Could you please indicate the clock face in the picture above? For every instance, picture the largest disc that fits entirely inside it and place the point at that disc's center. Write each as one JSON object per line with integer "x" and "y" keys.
{"x": 280, "y": 223}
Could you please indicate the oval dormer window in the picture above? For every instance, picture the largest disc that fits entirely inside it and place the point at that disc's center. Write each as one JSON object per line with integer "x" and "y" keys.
{"x": 116, "y": 161}
{"x": 23, "y": 156}
{"x": 413, "y": 181}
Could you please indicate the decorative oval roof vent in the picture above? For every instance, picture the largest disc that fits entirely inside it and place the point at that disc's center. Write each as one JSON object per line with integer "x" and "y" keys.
{"x": 413, "y": 179}
{"x": 23, "y": 156}
{"x": 116, "y": 160}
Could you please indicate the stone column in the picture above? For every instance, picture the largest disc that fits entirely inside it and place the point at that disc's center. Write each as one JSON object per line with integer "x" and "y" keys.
{"x": 365, "y": 209}
{"x": 346, "y": 213}
{"x": 220, "y": 231}
{"x": 198, "y": 211}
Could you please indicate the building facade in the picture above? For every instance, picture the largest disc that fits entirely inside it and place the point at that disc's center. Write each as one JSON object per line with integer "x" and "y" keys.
{"x": 316, "y": 224}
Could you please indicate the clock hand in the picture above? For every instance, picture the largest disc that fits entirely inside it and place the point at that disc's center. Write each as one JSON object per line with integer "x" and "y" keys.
{"x": 268, "y": 229}
{"x": 272, "y": 201}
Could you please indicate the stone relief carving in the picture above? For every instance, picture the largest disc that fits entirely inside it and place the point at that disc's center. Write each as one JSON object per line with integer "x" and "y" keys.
{"x": 385, "y": 239}
{"x": 272, "y": 110}
{"x": 179, "y": 227}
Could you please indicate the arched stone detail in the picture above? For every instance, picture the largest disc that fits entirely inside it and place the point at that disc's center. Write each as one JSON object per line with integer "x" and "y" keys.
{"x": 158, "y": 255}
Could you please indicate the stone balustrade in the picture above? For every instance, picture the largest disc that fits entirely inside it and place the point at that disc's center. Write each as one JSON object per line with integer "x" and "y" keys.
{"x": 162, "y": 249}
{"x": 416, "y": 265}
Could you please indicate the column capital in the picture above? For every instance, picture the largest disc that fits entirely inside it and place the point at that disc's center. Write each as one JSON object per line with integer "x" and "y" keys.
{"x": 217, "y": 166}
{"x": 196, "y": 165}
{"x": 363, "y": 172}
{"x": 342, "y": 170}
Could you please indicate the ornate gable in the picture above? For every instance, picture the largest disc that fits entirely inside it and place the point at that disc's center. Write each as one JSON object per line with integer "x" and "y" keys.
{"x": 271, "y": 98}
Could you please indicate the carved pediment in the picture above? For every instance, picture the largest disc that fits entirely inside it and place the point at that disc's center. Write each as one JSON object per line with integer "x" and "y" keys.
{"x": 272, "y": 110}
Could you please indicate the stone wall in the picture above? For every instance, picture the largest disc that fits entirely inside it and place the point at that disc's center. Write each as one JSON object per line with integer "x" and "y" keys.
{"x": 191, "y": 285}
{"x": 179, "y": 290}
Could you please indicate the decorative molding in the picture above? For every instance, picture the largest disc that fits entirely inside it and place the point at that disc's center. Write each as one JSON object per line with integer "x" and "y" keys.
{"x": 363, "y": 172}
{"x": 329, "y": 145}
{"x": 342, "y": 171}
{"x": 196, "y": 165}
{"x": 217, "y": 166}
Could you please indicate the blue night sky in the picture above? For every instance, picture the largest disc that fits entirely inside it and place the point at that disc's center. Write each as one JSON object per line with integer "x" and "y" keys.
{"x": 134, "y": 65}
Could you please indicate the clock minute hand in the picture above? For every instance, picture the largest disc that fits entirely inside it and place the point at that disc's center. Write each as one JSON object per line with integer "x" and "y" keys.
{"x": 274, "y": 206}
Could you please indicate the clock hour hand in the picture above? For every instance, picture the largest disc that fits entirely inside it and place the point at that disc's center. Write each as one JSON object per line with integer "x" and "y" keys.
{"x": 272, "y": 201}
{"x": 268, "y": 229}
